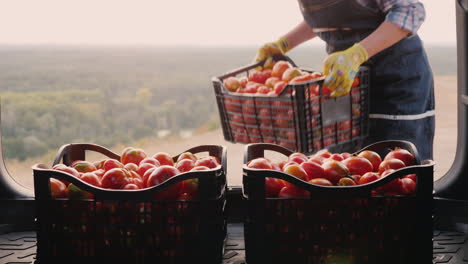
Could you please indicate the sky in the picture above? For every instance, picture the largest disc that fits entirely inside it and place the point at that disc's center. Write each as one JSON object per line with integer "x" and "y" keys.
{"x": 168, "y": 22}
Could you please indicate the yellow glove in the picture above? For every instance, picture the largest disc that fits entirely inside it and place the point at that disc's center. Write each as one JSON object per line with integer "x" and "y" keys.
{"x": 341, "y": 67}
{"x": 281, "y": 46}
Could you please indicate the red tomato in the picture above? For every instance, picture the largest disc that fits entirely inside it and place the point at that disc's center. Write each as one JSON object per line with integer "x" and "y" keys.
{"x": 356, "y": 178}
{"x": 65, "y": 168}
{"x": 267, "y": 72}
{"x": 386, "y": 172}
{"x": 260, "y": 163}
{"x": 185, "y": 165}
{"x": 209, "y": 161}
{"x": 231, "y": 83}
{"x": 187, "y": 155}
{"x": 263, "y": 89}
{"x": 275, "y": 166}
{"x": 134, "y": 174}
{"x": 302, "y": 78}
{"x": 190, "y": 186}
{"x": 200, "y": 168}
{"x": 346, "y": 155}
{"x": 296, "y": 171}
{"x": 270, "y": 82}
{"x": 109, "y": 164}
{"x": 324, "y": 154}
{"x": 273, "y": 186}
{"x": 391, "y": 187}
{"x": 147, "y": 174}
{"x": 292, "y": 191}
{"x": 130, "y": 186}
{"x": 337, "y": 157}
{"x": 243, "y": 81}
{"x": 58, "y": 189}
{"x": 313, "y": 170}
{"x": 99, "y": 173}
{"x": 144, "y": 167}
{"x": 334, "y": 170}
{"x": 164, "y": 158}
{"x": 138, "y": 182}
{"x": 76, "y": 193}
{"x": 411, "y": 176}
{"x": 403, "y": 155}
{"x": 251, "y": 87}
{"x": 368, "y": 177}
{"x": 356, "y": 82}
{"x": 279, "y": 87}
{"x": 91, "y": 178}
{"x": 407, "y": 186}
{"x": 132, "y": 155}
{"x": 289, "y": 163}
{"x": 358, "y": 165}
{"x": 131, "y": 167}
{"x": 160, "y": 175}
{"x": 279, "y": 68}
{"x": 373, "y": 157}
{"x": 391, "y": 164}
{"x": 290, "y": 73}
{"x": 281, "y": 164}
{"x": 114, "y": 179}
{"x": 99, "y": 164}
{"x": 83, "y": 166}
{"x": 325, "y": 90}
{"x": 321, "y": 181}
{"x": 317, "y": 159}
{"x": 297, "y": 159}
{"x": 150, "y": 160}
{"x": 345, "y": 181}
{"x": 298, "y": 154}
{"x": 259, "y": 76}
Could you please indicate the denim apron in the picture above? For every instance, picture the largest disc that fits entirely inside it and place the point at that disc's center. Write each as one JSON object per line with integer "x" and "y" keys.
{"x": 402, "y": 86}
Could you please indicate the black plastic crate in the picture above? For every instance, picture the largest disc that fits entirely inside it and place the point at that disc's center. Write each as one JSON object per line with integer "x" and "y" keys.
{"x": 300, "y": 118}
{"x": 131, "y": 226}
{"x": 338, "y": 224}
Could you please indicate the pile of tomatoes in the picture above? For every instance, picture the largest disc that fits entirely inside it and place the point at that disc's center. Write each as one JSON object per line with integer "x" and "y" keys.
{"x": 135, "y": 170}
{"x": 271, "y": 81}
{"x": 339, "y": 169}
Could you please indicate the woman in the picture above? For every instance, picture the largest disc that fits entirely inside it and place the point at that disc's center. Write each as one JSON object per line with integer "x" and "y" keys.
{"x": 382, "y": 34}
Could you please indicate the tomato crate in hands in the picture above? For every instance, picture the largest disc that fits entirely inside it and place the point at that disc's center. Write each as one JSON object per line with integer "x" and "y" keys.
{"x": 132, "y": 208}
{"x": 290, "y": 107}
{"x": 372, "y": 206}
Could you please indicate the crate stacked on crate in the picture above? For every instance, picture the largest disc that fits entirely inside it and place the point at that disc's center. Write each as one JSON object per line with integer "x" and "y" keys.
{"x": 309, "y": 214}
{"x": 295, "y": 111}
{"x": 172, "y": 218}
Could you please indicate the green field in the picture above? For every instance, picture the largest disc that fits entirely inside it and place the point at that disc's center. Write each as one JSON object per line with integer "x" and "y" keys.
{"x": 53, "y": 95}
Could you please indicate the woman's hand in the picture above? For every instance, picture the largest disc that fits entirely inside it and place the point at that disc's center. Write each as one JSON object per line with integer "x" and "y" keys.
{"x": 341, "y": 67}
{"x": 300, "y": 33}
{"x": 265, "y": 52}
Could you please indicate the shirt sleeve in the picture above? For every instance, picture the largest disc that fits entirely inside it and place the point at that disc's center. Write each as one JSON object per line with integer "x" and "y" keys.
{"x": 406, "y": 14}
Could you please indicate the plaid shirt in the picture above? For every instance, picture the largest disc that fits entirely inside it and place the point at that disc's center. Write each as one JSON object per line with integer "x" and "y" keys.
{"x": 407, "y": 14}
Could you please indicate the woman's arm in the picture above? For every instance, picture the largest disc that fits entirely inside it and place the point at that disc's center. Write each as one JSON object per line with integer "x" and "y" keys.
{"x": 383, "y": 37}
{"x": 299, "y": 34}
{"x": 403, "y": 18}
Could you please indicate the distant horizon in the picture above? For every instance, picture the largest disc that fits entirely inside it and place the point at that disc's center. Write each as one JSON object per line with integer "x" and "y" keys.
{"x": 147, "y": 45}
